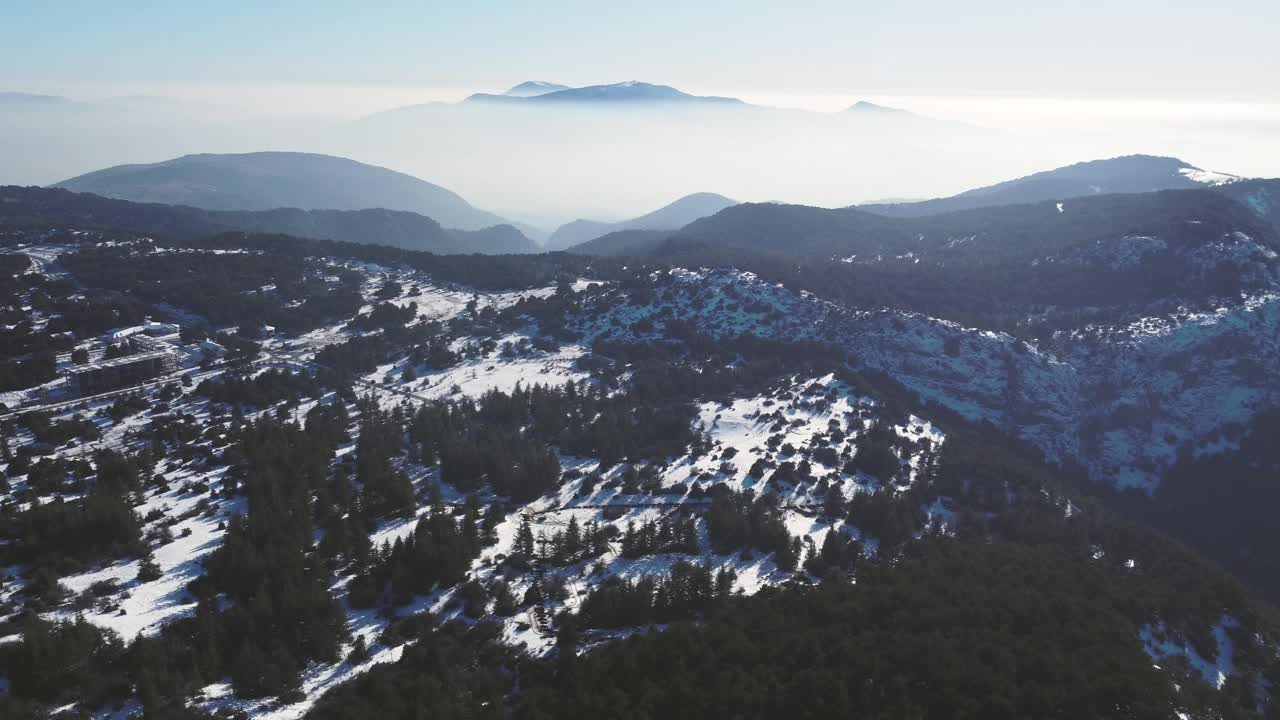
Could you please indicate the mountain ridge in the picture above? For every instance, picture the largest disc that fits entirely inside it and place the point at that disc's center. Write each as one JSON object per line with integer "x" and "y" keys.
{"x": 530, "y": 88}
{"x": 625, "y": 93}
{"x": 1124, "y": 174}
{"x": 272, "y": 179}
{"x": 671, "y": 216}
{"x": 25, "y": 206}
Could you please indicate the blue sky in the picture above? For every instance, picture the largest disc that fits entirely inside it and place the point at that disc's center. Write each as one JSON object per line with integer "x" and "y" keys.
{"x": 1123, "y": 48}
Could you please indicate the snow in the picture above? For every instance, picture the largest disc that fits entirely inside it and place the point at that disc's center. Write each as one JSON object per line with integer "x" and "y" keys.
{"x": 317, "y": 679}
{"x": 494, "y": 371}
{"x": 1207, "y": 177}
{"x": 1043, "y": 395}
{"x": 141, "y": 608}
{"x": 1160, "y": 645}
{"x": 744, "y": 427}
{"x": 1047, "y": 396}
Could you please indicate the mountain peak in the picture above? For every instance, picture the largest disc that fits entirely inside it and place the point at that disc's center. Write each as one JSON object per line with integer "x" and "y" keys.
{"x": 627, "y": 92}
{"x": 23, "y": 98}
{"x": 1117, "y": 175}
{"x": 672, "y": 216}
{"x": 863, "y": 106}
{"x": 532, "y": 88}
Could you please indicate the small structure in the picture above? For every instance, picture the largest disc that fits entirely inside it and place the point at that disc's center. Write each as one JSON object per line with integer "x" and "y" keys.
{"x": 211, "y": 349}
{"x": 159, "y": 329}
{"x": 119, "y": 334}
{"x": 120, "y": 372}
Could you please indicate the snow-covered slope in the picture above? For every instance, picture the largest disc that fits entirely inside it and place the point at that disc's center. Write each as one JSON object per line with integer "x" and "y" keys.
{"x": 1120, "y": 399}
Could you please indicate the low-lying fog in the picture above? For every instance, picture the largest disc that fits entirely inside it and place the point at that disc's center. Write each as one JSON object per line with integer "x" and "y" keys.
{"x": 547, "y": 165}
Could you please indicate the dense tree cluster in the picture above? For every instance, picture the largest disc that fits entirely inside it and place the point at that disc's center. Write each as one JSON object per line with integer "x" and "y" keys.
{"x": 1224, "y": 502}
{"x": 38, "y": 368}
{"x": 54, "y": 433}
{"x": 689, "y": 591}
{"x": 890, "y": 518}
{"x": 261, "y": 390}
{"x": 437, "y": 554}
{"x": 742, "y": 520}
{"x": 996, "y": 632}
{"x": 997, "y": 629}
{"x": 485, "y": 272}
{"x": 65, "y": 535}
{"x": 504, "y": 438}
{"x": 876, "y": 452}
{"x": 573, "y": 544}
{"x": 272, "y": 287}
{"x": 665, "y": 535}
{"x": 282, "y": 614}
{"x": 386, "y": 316}
{"x": 55, "y": 657}
{"x": 381, "y": 440}
{"x": 457, "y": 671}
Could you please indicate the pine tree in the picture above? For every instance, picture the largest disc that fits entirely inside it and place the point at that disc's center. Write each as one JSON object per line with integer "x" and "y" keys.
{"x": 148, "y": 569}
{"x": 359, "y": 651}
{"x": 572, "y": 540}
{"x": 566, "y": 647}
{"x": 524, "y": 538}
{"x": 504, "y": 601}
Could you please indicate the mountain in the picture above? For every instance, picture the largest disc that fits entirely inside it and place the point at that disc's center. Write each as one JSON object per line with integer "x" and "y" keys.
{"x": 1262, "y": 197}
{"x": 987, "y": 234}
{"x": 668, "y": 217}
{"x": 529, "y": 88}
{"x": 631, "y": 92}
{"x": 495, "y": 240}
{"x": 268, "y": 180}
{"x": 872, "y": 118}
{"x": 1109, "y": 255}
{"x": 623, "y": 243}
{"x": 870, "y": 108}
{"x": 378, "y": 226}
{"x": 578, "y": 484}
{"x": 21, "y": 99}
{"x": 828, "y": 157}
{"x": 1128, "y": 174}
{"x": 792, "y": 231}
{"x": 30, "y": 206}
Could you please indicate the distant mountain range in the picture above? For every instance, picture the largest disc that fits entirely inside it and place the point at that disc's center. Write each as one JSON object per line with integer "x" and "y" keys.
{"x": 30, "y": 99}
{"x": 669, "y": 217}
{"x": 1129, "y": 174}
{"x": 529, "y": 88}
{"x": 33, "y": 206}
{"x": 636, "y": 95}
{"x": 630, "y": 92}
{"x": 1017, "y": 221}
{"x": 862, "y": 106}
{"x": 270, "y": 180}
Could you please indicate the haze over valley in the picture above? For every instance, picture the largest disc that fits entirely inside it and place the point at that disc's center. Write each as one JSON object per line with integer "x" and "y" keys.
{"x": 550, "y": 162}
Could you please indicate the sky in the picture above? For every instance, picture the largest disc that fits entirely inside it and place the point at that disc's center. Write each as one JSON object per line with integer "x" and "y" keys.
{"x": 1059, "y": 82}
{"x": 1172, "y": 49}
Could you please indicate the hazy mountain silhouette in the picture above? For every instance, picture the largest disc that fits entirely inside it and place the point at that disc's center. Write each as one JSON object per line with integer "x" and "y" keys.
{"x": 269, "y": 180}
{"x": 1128, "y": 174}
{"x": 529, "y": 88}
{"x": 23, "y": 206}
{"x": 668, "y": 217}
{"x": 862, "y": 106}
{"x": 630, "y": 92}
{"x": 10, "y": 99}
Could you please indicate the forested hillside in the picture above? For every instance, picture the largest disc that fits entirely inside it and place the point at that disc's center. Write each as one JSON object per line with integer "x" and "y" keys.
{"x": 354, "y": 480}
{"x": 38, "y": 206}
